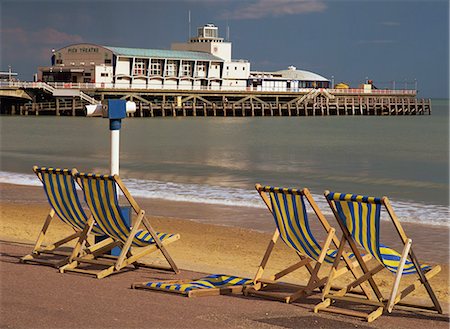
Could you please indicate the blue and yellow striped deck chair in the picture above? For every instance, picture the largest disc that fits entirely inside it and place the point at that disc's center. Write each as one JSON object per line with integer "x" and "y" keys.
{"x": 359, "y": 218}
{"x": 211, "y": 285}
{"x": 101, "y": 195}
{"x": 289, "y": 211}
{"x": 59, "y": 187}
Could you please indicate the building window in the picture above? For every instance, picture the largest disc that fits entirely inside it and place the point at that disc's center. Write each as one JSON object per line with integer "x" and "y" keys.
{"x": 139, "y": 66}
{"x": 107, "y": 61}
{"x": 59, "y": 61}
{"x": 201, "y": 69}
{"x": 156, "y": 67}
{"x": 172, "y": 68}
{"x": 186, "y": 69}
{"x": 104, "y": 74}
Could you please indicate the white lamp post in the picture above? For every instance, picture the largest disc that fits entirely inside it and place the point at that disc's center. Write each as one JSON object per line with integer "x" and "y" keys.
{"x": 115, "y": 110}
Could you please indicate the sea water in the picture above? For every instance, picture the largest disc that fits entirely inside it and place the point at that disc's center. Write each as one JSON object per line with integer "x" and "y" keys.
{"x": 218, "y": 160}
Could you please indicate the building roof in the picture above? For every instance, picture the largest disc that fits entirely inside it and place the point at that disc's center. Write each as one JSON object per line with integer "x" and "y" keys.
{"x": 294, "y": 74}
{"x": 162, "y": 53}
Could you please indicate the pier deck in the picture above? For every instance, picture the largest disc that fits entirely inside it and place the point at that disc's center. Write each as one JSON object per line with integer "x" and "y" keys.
{"x": 225, "y": 103}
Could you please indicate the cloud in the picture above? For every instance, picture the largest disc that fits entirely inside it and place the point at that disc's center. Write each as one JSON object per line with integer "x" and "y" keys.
{"x": 52, "y": 36}
{"x": 390, "y": 23}
{"x": 18, "y": 42}
{"x": 376, "y": 42}
{"x": 15, "y": 35}
{"x": 43, "y": 36}
{"x": 274, "y": 8}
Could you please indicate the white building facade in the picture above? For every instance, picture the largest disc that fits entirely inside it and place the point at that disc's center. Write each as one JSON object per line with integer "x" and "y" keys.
{"x": 204, "y": 62}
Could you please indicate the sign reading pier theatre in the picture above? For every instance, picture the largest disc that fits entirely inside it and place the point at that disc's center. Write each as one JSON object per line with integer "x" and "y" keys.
{"x": 83, "y": 50}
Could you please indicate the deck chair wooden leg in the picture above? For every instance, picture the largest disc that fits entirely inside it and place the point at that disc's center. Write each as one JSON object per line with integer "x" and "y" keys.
{"x": 314, "y": 278}
{"x": 325, "y": 248}
{"x": 424, "y": 279}
{"x": 308, "y": 265}
{"x": 353, "y": 265}
{"x": 334, "y": 268}
{"x": 147, "y": 250}
{"x": 262, "y": 266}
{"x": 100, "y": 245}
{"x": 146, "y": 223}
{"x": 159, "y": 244}
{"x": 82, "y": 239}
{"x": 127, "y": 245}
{"x": 364, "y": 268}
{"x": 61, "y": 242}
{"x": 416, "y": 284}
{"x": 290, "y": 269}
{"x": 41, "y": 236}
{"x": 413, "y": 258}
{"x": 399, "y": 275}
{"x": 360, "y": 280}
{"x": 314, "y": 281}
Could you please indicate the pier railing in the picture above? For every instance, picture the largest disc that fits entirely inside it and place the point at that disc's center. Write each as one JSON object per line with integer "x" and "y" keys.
{"x": 50, "y": 87}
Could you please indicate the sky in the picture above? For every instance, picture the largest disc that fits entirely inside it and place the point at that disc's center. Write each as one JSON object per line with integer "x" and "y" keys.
{"x": 347, "y": 41}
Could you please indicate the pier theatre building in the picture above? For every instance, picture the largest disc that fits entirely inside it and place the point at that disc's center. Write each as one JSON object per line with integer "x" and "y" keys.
{"x": 204, "y": 62}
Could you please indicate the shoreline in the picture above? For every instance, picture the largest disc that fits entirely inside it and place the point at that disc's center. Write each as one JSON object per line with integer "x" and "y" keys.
{"x": 209, "y": 243}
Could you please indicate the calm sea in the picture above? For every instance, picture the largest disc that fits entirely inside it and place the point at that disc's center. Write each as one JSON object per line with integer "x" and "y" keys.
{"x": 218, "y": 160}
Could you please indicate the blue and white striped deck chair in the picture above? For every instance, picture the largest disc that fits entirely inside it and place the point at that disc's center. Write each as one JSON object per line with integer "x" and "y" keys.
{"x": 101, "y": 195}
{"x": 359, "y": 218}
{"x": 211, "y": 285}
{"x": 62, "y": 197}
{"x": 289, "y": 211}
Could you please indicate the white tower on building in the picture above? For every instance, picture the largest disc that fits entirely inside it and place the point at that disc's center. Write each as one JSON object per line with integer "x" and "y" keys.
{"x": 207, "y": 40}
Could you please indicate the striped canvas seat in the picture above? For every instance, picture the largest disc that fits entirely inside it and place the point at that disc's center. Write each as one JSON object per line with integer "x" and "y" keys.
{"x": 214, "y": 281}
{"x": 101, "y": 196}
{"x": 362, "y": 219}
{"x": 144, "y": 237}
{"x": 291, "y": 219}
{"x": 59, "y": 187}
{"x": 359, "y": 219}
{"x": 391, "y": 259}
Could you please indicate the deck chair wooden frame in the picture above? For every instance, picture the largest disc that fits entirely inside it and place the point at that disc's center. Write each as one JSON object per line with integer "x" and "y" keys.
{"x": 319, "y": 255}
{"x": 62, "y": 197}
{"x": 100, "y": 192}
{"x": 367, "y": 211}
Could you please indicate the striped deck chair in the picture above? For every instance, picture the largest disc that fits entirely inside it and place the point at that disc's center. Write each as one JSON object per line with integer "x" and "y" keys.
{"x": 211, "y": 285}
{"x": 59, "y": 187}
{"x": 100, "y": 193}
{"x": 292, "y": 223}
{"x": 359, "y": 218}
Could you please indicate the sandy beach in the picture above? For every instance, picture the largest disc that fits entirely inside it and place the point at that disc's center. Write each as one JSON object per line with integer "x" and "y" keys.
{"x": 210, "y": 248}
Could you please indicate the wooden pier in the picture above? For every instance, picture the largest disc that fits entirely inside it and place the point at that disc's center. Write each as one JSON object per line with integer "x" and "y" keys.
{"x": 211, "y": 103}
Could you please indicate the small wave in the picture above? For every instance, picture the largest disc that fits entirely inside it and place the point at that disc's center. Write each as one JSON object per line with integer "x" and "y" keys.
{"x": 19, "y": 179}
{"x": 407, "y": 211}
